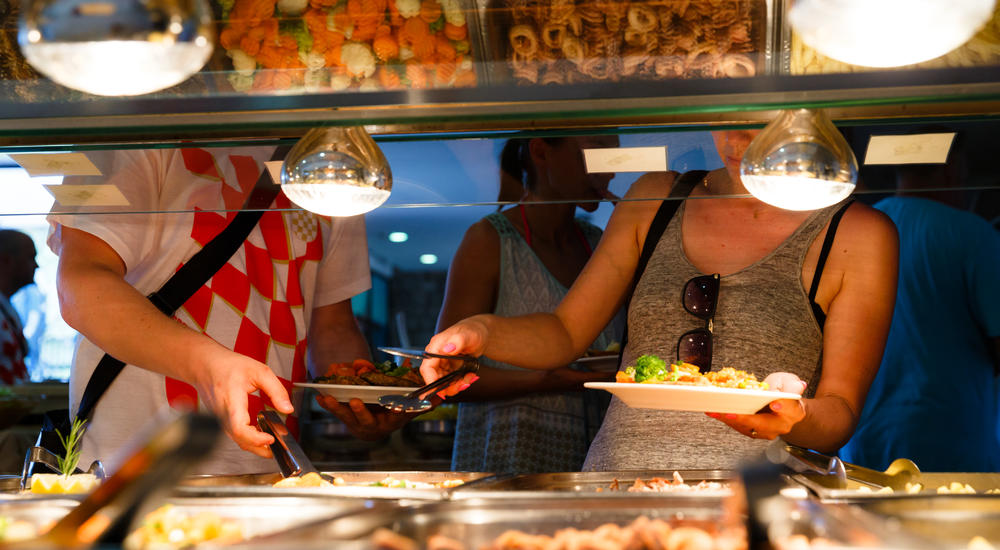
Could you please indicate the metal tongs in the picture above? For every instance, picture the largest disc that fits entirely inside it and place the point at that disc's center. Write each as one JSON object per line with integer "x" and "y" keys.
{"x": 41, "y": 455}
{"x": 834, "y": 472}
{"x": 161, "y": 454}
{"x": 416, "y": 401}
{"x": 291, "y": 458}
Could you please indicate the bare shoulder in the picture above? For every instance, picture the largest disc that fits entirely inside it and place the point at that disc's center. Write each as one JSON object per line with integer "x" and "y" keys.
{"x": 480, "y": 247}
{"x": 652, "y": 185}
{"x": 862, "y": 222}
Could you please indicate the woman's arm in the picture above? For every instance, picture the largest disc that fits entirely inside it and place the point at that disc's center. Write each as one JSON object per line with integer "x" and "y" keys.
{"x": 545, "y": 339}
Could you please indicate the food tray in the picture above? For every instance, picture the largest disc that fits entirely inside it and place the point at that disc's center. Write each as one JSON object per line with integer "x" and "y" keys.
{"x": 796, "y": 58}
{"x": 826, "y": 486}
{"x": 805, "y": 524}
{"x": 477, "y": 522}
{"x": 537, "y": 42}
{"x": 357, "y": 485}
{"x": 353, "y": 45}
{"x": 597, "y": 484}
{"x": 949, "y": 521}
{"x": 39, "y": 513}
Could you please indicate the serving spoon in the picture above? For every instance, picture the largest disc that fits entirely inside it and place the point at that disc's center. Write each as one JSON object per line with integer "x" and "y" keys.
{"x": 416, "y": 401}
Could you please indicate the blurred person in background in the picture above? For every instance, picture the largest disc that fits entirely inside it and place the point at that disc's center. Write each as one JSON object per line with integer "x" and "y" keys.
{"x": 935, "y": 399}
{"x": 518, "y": 261}
{"x": 17, "y": 270}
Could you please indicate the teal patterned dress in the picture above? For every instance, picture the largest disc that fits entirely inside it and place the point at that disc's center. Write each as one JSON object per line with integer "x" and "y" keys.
{"x": 533, "y": 433}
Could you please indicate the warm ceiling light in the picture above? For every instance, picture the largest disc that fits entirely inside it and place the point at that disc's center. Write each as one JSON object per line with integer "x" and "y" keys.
{"x": 887, "y": 33}
{"x": 799, "y": 162}
{"x": 398, "y": 237}
{"x": 117, "y": 47}
{"x": 336, "y": 171}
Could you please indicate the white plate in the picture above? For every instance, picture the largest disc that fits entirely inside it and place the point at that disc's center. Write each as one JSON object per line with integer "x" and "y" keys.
{"x": 691, "y": 398}
{"x": 345, "y": 392}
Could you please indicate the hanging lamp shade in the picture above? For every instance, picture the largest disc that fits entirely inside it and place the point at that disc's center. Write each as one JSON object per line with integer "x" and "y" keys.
{"x": 336, "y": 171}
{"x": 117, "y": 47}
{"x": 799, "y": 162}
{"x": 887, "y": 33}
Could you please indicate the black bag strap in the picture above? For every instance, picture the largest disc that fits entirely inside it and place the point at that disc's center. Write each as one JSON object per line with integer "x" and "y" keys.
{"x": 683, "y": 186}
{"x": 824, "y": 252}
{"x": 190, "y": 277}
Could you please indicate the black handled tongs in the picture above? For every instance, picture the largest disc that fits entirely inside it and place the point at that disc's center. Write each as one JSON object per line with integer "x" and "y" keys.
{"x": 291, "y": 458}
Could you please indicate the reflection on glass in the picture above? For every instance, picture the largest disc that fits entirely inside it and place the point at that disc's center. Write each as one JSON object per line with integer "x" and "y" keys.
{"x": 117, "y": 47}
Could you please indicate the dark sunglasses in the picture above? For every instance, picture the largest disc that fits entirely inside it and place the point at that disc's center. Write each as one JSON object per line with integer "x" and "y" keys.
{"x": 700, "y": 296}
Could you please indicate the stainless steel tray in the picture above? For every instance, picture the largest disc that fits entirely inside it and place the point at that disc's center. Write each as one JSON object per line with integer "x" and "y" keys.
{"x": 804, "y": 524}
{"x": 826, "y": 487}
{"x": 358, "y": 485}
{"x": 572, "y": 484}
{"x": 477, "y": 522}
{"x": 950, "y": 521}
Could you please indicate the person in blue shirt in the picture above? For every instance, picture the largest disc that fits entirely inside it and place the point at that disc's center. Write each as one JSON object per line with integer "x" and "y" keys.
{"x": 935, "y": 398}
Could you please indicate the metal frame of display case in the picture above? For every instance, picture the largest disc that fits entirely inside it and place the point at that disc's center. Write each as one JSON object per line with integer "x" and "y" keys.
{"x": 494, "y": 110}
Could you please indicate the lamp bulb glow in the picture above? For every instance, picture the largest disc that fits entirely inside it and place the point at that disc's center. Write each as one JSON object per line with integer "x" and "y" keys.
{"x": 887, "y": 33}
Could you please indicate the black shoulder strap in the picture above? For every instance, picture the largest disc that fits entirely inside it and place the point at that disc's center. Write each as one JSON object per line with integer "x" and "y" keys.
{"x": 682, "y": 188}
{"x": 190, "y": 277}
{"x": 824, "y": 252}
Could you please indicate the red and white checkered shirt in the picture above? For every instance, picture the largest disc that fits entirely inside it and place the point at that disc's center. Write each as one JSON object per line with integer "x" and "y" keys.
{"x": 258, "y": 304}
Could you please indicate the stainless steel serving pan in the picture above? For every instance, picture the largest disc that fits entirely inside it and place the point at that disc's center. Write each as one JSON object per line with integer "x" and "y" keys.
{"x": 477, "y": 522}
{"x": 357, "y": 485}
{"x": 950, "y": 521}
{"x": 573, "y": 484}
{"x": 827, "y": 488}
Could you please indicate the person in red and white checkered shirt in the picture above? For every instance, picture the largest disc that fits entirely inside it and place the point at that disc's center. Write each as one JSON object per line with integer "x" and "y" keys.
{"x": 17, "y": 269}
{"x": 240, "y": 342}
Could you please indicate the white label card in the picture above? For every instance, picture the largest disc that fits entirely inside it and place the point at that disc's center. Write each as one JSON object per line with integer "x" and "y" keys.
{"x": 87, "y": 195}
{"x": 274, "y": 168}
{"x": 58, "y": 164}
{"x": 626, "y": 159}
{"x": 909, "y": 149}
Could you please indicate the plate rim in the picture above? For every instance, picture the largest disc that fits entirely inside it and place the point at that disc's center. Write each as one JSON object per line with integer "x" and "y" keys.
{"x": 696, "y": 389}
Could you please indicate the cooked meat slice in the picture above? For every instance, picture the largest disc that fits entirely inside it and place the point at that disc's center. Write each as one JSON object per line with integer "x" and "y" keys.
{"x": 343, "y": 380}
{"x": 414, "y": 376}
{"x": 379, "y": 379}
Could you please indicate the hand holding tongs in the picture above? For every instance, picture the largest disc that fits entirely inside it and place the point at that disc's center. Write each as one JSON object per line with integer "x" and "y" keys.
{"x": 416, "y": 401}
{"x": 291, "y": 458}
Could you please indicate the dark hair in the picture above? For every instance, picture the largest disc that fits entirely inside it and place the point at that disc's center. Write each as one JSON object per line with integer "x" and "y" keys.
{"x": 515, "y": 159}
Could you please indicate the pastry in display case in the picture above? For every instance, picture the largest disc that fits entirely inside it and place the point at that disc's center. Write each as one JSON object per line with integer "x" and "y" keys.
{"x": 359, "y": 45}
{"x": 570, "y": 41}
{"x": 981, "y": 50}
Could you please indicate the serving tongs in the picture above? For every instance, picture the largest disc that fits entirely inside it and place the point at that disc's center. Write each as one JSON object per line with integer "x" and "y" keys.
{"x": 834, "y": 473}
{"x": 40, "y": 455}
{"x": 291, "y": 458}
{"x": 158, "y": 458}
{"x": 416, "y": 401}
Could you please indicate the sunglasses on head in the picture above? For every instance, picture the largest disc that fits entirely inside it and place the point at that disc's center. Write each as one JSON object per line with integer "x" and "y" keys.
{"x": 700, "y": 296}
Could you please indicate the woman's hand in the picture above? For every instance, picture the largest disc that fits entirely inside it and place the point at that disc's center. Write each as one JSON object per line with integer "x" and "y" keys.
{"x": 467, "y": 337}
{"x": 778, "y": 418}
{"x": 368, "y": 423}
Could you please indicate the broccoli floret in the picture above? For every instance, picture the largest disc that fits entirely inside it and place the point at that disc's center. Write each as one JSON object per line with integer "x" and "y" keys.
{"x": 650, "y": 368}
{"x": 297, "y": 29}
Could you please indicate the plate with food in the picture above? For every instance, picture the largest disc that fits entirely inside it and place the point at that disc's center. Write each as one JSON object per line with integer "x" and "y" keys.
{"x": 366, "y": 380}
{"x": 653, "y": 384}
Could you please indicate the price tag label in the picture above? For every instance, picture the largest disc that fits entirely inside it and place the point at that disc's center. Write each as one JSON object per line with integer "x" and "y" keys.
{"x": 626, "y": 159}
{"x": 909, "y": 149}
{"x": 58, "y": 164}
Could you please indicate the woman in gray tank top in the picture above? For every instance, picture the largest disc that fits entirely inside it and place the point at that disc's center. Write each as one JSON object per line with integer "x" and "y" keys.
{"x": 764, "y": 322}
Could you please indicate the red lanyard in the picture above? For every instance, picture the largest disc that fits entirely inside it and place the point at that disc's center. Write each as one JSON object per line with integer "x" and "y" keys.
{"x": 527, "y": 232}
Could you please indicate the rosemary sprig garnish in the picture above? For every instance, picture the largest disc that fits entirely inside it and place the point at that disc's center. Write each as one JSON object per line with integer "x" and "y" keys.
{"x": 68, "y": 462}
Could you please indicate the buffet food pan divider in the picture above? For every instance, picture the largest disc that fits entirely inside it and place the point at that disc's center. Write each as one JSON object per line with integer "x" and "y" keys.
{"x": 596, "y": 484}
{"x": 357, "y": 485}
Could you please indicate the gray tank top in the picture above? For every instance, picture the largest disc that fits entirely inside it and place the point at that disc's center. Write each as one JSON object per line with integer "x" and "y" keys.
{"x": 534, "y": 433}
{"x": 763, "y": 324}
